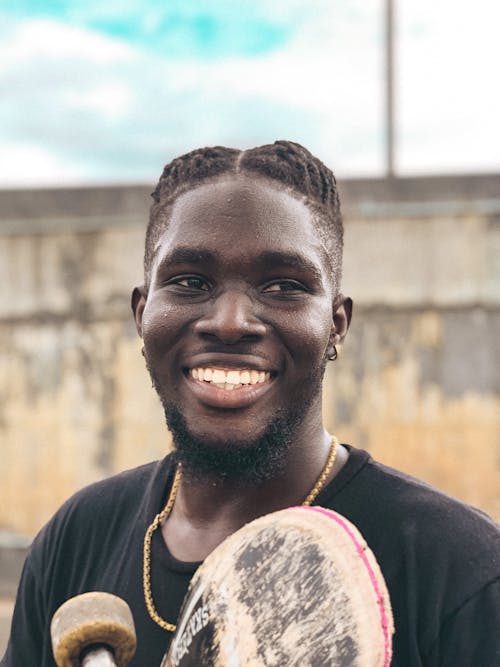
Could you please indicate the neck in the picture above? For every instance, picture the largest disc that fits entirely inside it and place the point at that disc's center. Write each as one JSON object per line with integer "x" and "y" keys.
{"x": 209, "y": 509}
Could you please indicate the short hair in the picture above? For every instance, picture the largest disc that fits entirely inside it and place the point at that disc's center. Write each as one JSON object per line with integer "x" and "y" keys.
{"x": 301, "y": 173}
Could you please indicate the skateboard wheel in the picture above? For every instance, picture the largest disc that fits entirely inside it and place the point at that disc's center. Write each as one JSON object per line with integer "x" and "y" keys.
{"x": 92, "y": 619}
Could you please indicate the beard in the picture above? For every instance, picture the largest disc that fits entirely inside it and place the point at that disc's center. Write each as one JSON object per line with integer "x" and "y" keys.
{"x": 251, "y": 461}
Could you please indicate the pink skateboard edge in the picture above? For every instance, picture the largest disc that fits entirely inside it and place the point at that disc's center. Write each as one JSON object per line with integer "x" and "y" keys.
{"x": 330, "y": 514}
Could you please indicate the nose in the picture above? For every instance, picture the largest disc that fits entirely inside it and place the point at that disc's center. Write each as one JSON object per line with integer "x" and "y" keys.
{"x": 231, "y": 318}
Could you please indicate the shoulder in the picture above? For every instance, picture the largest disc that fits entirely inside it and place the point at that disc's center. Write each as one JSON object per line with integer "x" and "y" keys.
{"x": 414, "y": 503}
{"x": 399, "y": 498}
{"x": 416, "y": 530}
{"x": 117, "y": 491}
{"x": 121, "y": 487}
{"x": 424, "y": 516}
{"x": 103, "y": 510}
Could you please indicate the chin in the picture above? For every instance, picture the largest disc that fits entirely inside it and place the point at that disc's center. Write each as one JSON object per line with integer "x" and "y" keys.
{"x": 250, "y": 460}
{"x": 219, "y": 433}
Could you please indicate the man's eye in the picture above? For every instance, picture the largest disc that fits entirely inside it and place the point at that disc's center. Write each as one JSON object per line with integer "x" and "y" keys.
{"x": 284, "y": 286}
{"x": 191, "y": 282}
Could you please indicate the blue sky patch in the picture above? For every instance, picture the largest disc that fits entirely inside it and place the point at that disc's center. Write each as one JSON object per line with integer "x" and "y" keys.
{"x": 177, "y": 29}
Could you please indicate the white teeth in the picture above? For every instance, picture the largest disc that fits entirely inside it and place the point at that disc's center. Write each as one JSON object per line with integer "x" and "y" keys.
{"x": 254, "y": 376}
{"x": 218, "y": 376}
{"x": 233, "y": 377}
{"x": 230, "y": 379}
{"x": 245, "y": 377}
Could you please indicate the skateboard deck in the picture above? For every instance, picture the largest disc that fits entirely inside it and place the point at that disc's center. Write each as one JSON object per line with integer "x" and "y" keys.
{"x": 294, "y": 588}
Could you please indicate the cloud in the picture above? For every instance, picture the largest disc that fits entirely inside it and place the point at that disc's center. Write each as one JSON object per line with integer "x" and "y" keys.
{"x": 115, "y": 110}
{"x": 110, "y": 100}
{"x": 32, "y": 165}
{"x": 448, "y": 103}
{"x": 101, "y": 99}
{"x": 51, "y": 41}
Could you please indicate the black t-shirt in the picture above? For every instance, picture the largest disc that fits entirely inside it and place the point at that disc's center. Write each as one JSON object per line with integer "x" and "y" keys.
{"x": 440, "y": 559}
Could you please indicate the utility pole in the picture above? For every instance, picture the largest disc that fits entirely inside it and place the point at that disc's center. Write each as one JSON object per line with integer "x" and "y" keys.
{"x": 389, "y": 89}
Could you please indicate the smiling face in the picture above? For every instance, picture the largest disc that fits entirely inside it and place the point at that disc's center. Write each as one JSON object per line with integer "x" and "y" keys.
{"x": 240, "y": 313}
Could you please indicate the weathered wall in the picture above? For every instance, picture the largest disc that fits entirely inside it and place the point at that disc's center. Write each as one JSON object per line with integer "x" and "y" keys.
{"x": 419, "y": 383}
{"x": 416, "y": 382}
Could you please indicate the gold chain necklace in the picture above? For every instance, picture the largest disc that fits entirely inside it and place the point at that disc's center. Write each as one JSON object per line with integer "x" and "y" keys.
{"x": 148, "y": 596}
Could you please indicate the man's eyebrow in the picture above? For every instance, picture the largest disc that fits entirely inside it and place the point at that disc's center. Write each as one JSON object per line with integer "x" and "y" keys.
{"x": 271, "y": 258}
{"x": 267, "y": 259}
{"x": 187, "y": 255}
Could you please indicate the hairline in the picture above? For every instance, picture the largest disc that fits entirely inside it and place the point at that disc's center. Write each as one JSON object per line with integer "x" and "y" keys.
{"x": 159, "y": 208}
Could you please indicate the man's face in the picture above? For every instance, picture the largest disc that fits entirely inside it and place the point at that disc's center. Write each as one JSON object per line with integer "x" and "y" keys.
{"x": 238, "y": 317}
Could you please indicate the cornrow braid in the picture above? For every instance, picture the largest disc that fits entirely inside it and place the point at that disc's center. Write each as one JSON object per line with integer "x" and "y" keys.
{"x": 182, "y": 174}
{"x": 289, "y": 163}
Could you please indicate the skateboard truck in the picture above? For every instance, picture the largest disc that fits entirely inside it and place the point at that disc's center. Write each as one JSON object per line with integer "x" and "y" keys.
{"x": 93, "y": 630}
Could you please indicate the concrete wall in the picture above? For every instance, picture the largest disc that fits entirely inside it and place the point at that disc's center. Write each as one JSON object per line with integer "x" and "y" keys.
{"x": 416, "y": 383}
{"x": 419, "y": 382}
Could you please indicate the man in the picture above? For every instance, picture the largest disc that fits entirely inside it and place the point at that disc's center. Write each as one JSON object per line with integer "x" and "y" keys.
{"x": 239, "y": 313}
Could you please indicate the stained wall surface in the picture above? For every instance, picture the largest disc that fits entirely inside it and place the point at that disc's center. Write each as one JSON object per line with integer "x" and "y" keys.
{"x": 417, "y": 382}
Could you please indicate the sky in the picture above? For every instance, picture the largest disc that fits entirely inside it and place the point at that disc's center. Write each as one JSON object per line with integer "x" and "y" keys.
{"x": 109, "y": 91}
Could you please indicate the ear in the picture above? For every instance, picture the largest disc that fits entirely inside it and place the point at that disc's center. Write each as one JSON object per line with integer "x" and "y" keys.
{"x": 138, "y": 301}
{"x": 341, "y": 319}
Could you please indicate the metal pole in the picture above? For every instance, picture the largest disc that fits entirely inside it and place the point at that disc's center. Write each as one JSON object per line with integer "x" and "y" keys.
{"x": 389, "y": 87}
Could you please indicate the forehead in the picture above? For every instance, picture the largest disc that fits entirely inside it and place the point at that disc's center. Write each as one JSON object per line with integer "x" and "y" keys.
{"x": 242, "y": 216}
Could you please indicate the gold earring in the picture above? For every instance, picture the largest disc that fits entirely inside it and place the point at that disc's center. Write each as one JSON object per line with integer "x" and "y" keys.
{"x": 334, "y": 354}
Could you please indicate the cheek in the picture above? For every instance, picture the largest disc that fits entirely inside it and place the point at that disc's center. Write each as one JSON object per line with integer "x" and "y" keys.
{"x": 308, "y": 334}
{"x": 160, "y": 321}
